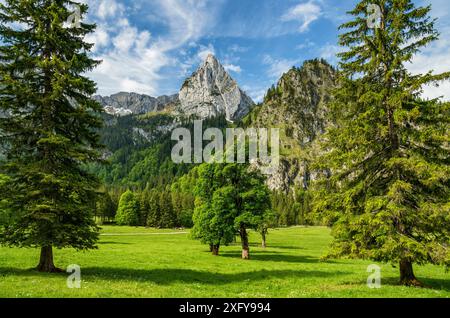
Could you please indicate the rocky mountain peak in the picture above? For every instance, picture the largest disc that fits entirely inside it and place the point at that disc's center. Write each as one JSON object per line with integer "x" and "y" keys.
{"x": 211, "y": 92}
{"x": 212, "y": 60}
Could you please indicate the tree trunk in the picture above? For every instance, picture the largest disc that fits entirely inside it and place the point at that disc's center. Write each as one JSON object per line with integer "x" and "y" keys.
{"x": 407, "y": 277}
{"x": 215, "y": 249}
{"x": 211, "y": 247}
{"x": 245, "y": 245}
{"x": 263, "y": 238}
{"x": 46, "y": 264}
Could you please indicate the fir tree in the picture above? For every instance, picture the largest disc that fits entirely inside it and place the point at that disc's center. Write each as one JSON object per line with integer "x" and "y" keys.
{"x": 154, "y": 214}
{"x": 50, "y": 129}
{"x": 167, "y": 215}
{"x": 388, "y": 150}
{"x": 105, "y": 208}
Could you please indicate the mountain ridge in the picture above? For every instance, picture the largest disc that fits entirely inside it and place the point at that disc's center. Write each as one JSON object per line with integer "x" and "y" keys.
{"x": 209, "y": 92}
{"x": 124, "y": 103}
{"x": 297, "y": 105}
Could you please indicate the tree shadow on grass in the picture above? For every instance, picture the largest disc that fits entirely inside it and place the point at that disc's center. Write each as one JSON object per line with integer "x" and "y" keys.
{"x": 31, "y": 272}
{"x": 112, "y": 243}
{"x": 269, "y": 246}
{"x": 429, "y": 283}
{"x": 170, "y": 276}
{"x": 271, "y": 256}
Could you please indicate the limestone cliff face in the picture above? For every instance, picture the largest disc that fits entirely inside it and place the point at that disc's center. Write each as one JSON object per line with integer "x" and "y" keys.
{"x": 211, "y": 92}
{"x": 298, "y": 106}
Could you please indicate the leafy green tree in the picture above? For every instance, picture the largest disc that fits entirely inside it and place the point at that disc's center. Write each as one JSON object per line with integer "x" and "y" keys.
{"x": 232, "y": 199}
{"x": 213, "y": 217}
{"x": 128, "y": 211}
{"x": 388, "y": 150}
{"x": 50, "y": 131}
{"x": 269, "y": 220}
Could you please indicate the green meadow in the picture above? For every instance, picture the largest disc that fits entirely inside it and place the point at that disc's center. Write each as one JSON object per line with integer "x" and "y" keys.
{"x": 140, "y": 262}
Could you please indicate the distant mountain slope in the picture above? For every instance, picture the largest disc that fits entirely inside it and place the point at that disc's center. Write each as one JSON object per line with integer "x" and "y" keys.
{"x": 297, "y": 105}
{"x": 139, "y": 146}
{"x": 122, "y": 104}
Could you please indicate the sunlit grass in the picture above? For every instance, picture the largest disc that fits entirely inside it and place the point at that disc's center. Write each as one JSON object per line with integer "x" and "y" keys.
{"x": 166, "y": 263}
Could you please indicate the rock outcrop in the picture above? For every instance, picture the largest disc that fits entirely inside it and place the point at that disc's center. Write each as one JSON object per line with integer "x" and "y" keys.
{"x": 122, "y": 104}
{"x": 298, "y": 106}
{"x": 211, "y": 92}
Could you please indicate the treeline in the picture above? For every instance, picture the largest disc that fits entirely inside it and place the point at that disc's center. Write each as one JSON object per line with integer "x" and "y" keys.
{"x": 159, "y": 208}
{"x": 173, "y": 206}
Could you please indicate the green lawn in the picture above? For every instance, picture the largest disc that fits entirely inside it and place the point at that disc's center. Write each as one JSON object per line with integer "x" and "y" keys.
{"x": 138, "y": 262}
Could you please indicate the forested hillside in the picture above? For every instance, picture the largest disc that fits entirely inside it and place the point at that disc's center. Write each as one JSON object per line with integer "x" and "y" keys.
{"x": 138, "y": 148}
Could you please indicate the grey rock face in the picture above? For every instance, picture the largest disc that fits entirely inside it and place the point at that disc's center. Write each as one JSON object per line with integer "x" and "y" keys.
{"x": 123, "y": 104}
{"x": 298, "y": 105}
{"x": 211, "y": 92}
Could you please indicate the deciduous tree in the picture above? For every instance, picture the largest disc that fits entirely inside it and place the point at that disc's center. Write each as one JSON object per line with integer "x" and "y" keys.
{"x": 128, "y": 211}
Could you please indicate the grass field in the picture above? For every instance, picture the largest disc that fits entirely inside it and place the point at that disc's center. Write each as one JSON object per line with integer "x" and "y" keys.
{"x": 138, "y": 262}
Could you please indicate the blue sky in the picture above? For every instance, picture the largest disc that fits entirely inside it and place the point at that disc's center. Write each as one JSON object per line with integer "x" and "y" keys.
{"x": 151, "y": 46}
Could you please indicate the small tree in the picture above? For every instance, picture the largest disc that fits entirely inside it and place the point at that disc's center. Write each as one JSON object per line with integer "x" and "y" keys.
{"x": 269, "y": 220}
{"x": 211, "y": 226}
{"x": 128, "y": 211}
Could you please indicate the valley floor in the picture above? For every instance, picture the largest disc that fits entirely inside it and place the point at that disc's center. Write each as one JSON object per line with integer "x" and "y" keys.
{"x": 138, "y": 262}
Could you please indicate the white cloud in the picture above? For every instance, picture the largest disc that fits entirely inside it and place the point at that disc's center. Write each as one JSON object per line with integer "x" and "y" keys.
{"x": 329, "y": 52}
{"x": 133, "y": 60}
{"x": 125, "y": 40}
{"x": 100, "y": 38}
{"x": 238, "y": 49}
{"x": 278, "y": 67}
{"x": 232, "y": 68}
{"x": 305, "y": 13}
{"x": 204, "y": 51}
{"x": 436, "y": 57}
{"x": 257, "y": 94}
{"x": 108, "y": 8}
{"x": 305, "y": 45}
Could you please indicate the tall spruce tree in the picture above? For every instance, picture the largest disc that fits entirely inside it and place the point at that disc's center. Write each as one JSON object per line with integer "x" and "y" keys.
{"x": 389, "y": 149}
{"x": 49, "y": 131}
